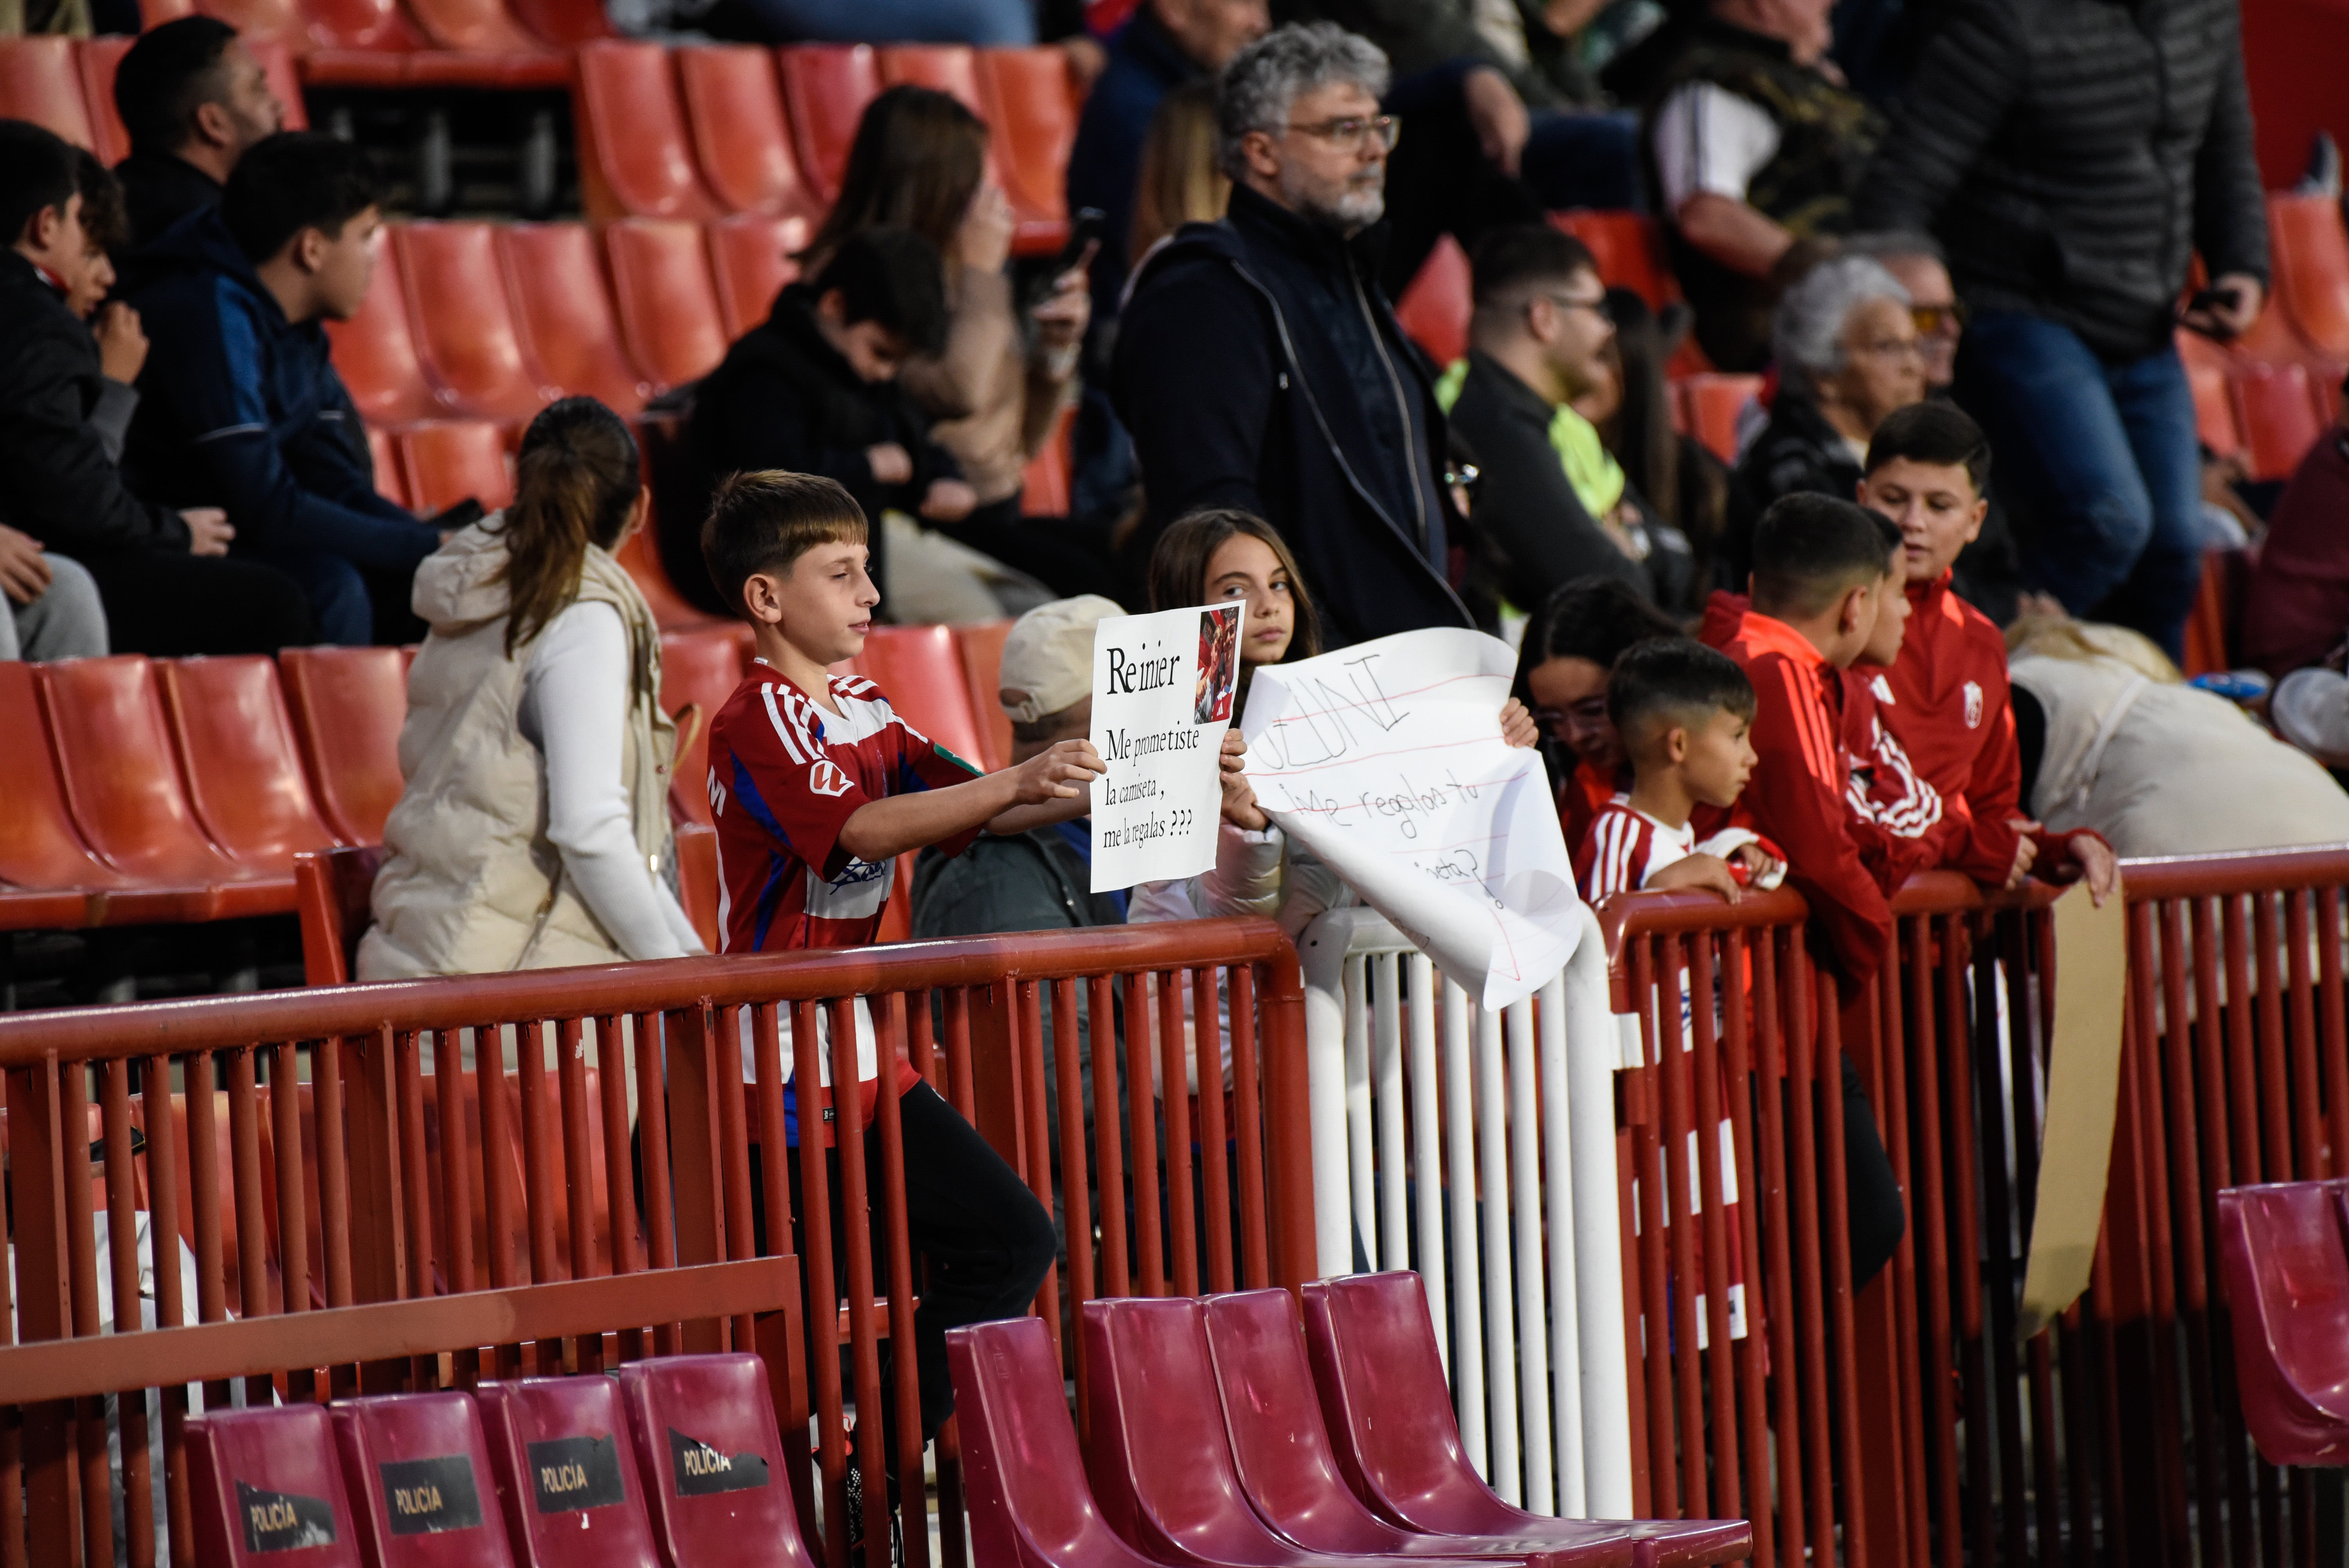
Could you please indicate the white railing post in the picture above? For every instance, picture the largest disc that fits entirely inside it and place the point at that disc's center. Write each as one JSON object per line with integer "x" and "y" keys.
{"x": 1592, "y": 1057}
{"x": 1321, "y": 956}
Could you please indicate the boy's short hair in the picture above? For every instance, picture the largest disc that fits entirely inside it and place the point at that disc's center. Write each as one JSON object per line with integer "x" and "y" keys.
{"x": 765, "y": 521}
{"x": 169, "y": 74}
{"x": 37, "y": 171}
{"x": 1672, "y": 680}
{"x": 893, "y": 277}
{"x": 1810, "y": 550}
{"x": 1511, "y": 261}
{"x": 104, "y": 220}
{"x": 1941, "y": 435}
{"x": 294, "y": 180}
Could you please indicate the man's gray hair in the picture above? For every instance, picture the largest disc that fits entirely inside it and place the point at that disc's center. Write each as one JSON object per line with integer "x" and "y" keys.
{"x": 1807, "y": 335}
{"x": 1892, "y": 245}
{"x": 1268, "y": 76}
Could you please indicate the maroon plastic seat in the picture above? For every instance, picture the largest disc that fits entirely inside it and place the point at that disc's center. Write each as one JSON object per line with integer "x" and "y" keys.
{"x": 1029, "y": 1504}
{"x": 1157, "y": 1454}
{"x": 566, "y": 1472}
{"x": 2286, "y": 1269}
{"x": 243, "y": 766}
{"x": 1372, "y": 1348}
{"x": 1282, "y": 1456}
{"x": 416, "y": 1467}
{"x": 347, "y": 706}
{"x": 264, "y": 1488}
{"x": 712, "y": 1460}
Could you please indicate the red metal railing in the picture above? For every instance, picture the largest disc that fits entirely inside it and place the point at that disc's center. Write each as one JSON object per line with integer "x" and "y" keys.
{"x": 380, "y": 1148}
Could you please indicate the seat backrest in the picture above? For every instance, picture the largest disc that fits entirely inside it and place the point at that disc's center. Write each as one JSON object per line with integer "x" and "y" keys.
{"x": 563, "y": 23}
{"x": 566, "y": 1472}
{"x": 1709, "y": 405}
{"x": 668, "y": 307}
{"x": 1373, "y": 1349}
{"x": 749, "y": 262}
{"x": 981, "y": 647}
{"x": 826, "y": 88}
{"x": 360, "y": 24}
{"x": 2277, "y": 417}
{"x": 2286, "y": 1273}
{"x": 474, "y": 26}
{"x": 39, "y": 845}
{"x": 383, "y": 458}
{"x": 1033, "y": 106}
{"x": 701, "y": 667}
{"x": 563, "y": 313}
{"x": 332, "y": 896}
{"x": 1044, "y": 481}
{"x": 348, "y": 705}
{"x": 244, "y": 767}
{"x": 375, "y": 352}
{"x": 1434, "y": 309}
{"x": 2312, "y": 266}
{"x": 636, "y": 159}
{"x": 114, "y": 751}
{"x": 97, "y": 59}
{"x": 712, "y": 1460}
{"x": 1629, "y": 250}
{"x": 461, "y": 323}
{"x": 920, "y": 670}
{"x": 40, "y": 82}
{"x": 416, "y": 1467}
{"x": 2207, "y": 364}
{"x": 260, "y": 21}
{"x": 447, "y": 460}
{"x": 264, "y": 1482}
{"x": 734, "y": 105}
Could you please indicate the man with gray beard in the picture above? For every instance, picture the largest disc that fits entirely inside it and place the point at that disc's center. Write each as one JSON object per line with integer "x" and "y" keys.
{"x": 1258, "y": 367}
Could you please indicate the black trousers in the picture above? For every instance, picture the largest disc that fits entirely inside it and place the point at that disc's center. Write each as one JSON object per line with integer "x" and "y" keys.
{"x": 1879, "y": 1219}
{"x": 170, "y": 605}
{"x": 1069, "y": 557}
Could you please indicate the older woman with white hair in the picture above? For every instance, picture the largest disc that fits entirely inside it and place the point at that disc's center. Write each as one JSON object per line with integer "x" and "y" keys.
{"x": 1847, "y": 355}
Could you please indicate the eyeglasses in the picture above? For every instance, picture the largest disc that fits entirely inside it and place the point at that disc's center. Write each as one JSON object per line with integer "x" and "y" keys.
{"x": 1933, "y": 320}
{"x": 1598, "y": 307}
{"x": 1891, "y": 348}
{"x": 1349, "y": 132}
{"x": 1558, "y": 724}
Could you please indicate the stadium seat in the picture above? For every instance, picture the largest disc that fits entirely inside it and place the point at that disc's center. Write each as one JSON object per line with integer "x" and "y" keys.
{"x": 382, "y": 454}
{"x": 415, "y": 1469}
{"x": 1434, "y": 309}
{"x": 562, "y": 312}
{"x": 260, "y": 21}
{"x": 363, "y": 41}
{"x": 2207, "y": 366}
{"x": 749, "y": 262}
{"x": 741, "y": 139}
{"x": 462, "y": 327}
{"x": 48, "y": 876}
{"x": 566, "y": 1472}
{"x": 2287, "y": 1285}
{"x": 96, "y": 60}
{"x": 701, "y": 668}
{"x": 563, "y": 23}
{"x": 826, "y": 86}
{"x": 1629, "y": 250}
{"x": 333, "y": 893}
{"x": 920, "y": 670}
{"x": 114, "y": 755}
{"x": 667, "y": 305}
{"x": 1373, "y": 1349}
{"x": 486, "y": 28}
{"x": 981, "y": 649}
{"x": 2277, "y": 414}
{"x": 953, "y": 69}
{"x": 263, "y": 1483}
{"x": 712, "y": 1460}
{"x": 635, "y": 160}
{"x": 1044, "y": 481}
{"x": 2312, "y": 267}
{"x": 696, "y": 881}
{"x": 347, "y": 706}
{"x": 243, "y": 767}
{"x": 40, "y": 82}
{"x": 1033, "y": 106}
{"x": 1709, "y": 405}
{"x": 641, "y": 556}
{"x": 448, "y": 460}
{"x": 375, "y": 352}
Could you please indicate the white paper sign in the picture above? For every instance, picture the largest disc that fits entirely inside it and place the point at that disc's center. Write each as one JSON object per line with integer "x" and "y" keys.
{"x": 1386, "y": 761}
{"x": 1163, "y": 690}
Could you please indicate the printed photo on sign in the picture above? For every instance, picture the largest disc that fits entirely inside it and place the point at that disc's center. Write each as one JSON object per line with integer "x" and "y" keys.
{"x": 1163, "y": 689}
{"x": 1219, "y": 662}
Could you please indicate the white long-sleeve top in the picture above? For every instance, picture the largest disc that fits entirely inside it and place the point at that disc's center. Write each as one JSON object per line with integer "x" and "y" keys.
{"x": 574, "y": 709}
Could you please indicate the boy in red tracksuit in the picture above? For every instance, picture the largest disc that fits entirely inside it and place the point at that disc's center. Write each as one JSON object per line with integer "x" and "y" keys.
{"x": 1951, "y": 706}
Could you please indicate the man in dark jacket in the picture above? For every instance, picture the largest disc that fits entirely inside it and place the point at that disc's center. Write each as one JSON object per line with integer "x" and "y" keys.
{"x": 2074, "y": 155}
{"x": 162, "y": 573}
{"x": 240, "y": 406}
{"x": 194, "y": 100}
{"x": 1258, "y": 367}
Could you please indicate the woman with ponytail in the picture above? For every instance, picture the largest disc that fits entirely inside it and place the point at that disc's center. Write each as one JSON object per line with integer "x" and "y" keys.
{"x": 534, "y": 829}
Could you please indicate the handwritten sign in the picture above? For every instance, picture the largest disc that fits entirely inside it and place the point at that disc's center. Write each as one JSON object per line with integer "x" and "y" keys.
{"x": 1163, "y": 690}
{"x": 1386, "y": 761}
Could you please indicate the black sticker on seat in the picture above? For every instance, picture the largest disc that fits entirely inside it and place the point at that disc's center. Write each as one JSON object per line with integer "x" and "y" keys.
{"x": 283, "y": 1521}
{"x": 573, "y": 1473}
{"x": 425, "y": 1497}
{"x": 702, "y": 1470}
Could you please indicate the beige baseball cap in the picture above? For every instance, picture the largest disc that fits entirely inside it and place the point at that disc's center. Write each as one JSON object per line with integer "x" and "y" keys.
{"x": 1048, "y": 659}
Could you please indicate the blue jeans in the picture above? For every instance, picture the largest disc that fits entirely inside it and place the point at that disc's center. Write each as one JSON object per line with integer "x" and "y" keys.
{"x": 2100, "y": 461}
{"x": 1004, "y": 22}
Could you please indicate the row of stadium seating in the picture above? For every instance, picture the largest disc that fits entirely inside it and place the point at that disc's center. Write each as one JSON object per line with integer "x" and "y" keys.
{"x": 67, "y": 85}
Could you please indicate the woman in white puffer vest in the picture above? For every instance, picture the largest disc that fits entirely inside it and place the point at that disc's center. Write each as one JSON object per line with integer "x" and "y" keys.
{"x": 534, "y": 829}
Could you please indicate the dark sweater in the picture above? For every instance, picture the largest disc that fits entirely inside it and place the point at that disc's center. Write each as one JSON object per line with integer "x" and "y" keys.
{"x": 2073, "y": 155}
{"x": 159, "y": 189}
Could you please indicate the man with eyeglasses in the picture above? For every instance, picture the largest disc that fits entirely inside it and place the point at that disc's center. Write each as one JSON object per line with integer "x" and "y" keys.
{"x": 1260, "y": 367}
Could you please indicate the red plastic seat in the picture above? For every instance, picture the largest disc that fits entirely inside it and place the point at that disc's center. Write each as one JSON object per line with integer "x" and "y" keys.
{"x": 97, "y": 59}
{"x": 734, "y": 105}
{"x": 1710, "y": 405}
{"x": 2312, "y": 267}
{"x": 50, "y": 876}
{"x": 635, "y": 156}
{"x": 641, "y": 556}
{"x": 415, "y": 1469}
{"x": 563, "y": 313}
{"x": 347, "y": 706}
{"x": 375, "y": 352}
{"x": 953, "y": 69}
{"x": 448, "y": 460}
{"x": 1020, "y": 1454}
{"x": 921, "y": 670}
{"x": 114, "y": 754}
{"x": 263, "y": 1484}
{"x": 464, "y": 330}
{"x": 1044, "y": 482}
{"x": 981, "y": 649}
{"x": 1372, "y": 1348}
{"x": 566, "y": 1472}
{"x": 1033, "y": 106}
{"x": 701, "y": 668}
{"x": 1629, "y": 250}
{"x": 40, "y": 82}
{"x": 826, "y": 86}
{"x": 383, "y": 457}
{"x": 1434, "y": 309}
{"x": 477, "y": 27}
{"x": 359, "y": 27}
{"x": 243, "y": 767}
{"x": 563, "y": 23}
{"x": 712, "y": 1460}
{"x": 668, "y": 307}
{"x": 2207, "y": 366}
{"x": 1283, "y": 1459}
{"x": 749, "y": 262}
{"x": 333, "y": 891}
{"x": 2277, "y": 414}
{"x": 2287, "y": 1279}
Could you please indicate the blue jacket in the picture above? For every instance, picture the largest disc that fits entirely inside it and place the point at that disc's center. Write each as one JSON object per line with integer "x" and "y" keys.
{"x": 241, "y": 409}
{"x": 1145, "y": 64}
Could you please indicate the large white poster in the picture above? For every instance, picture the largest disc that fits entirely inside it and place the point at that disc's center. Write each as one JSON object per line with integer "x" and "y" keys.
{"x": 1386, "y": 761}
{"x": 1163, "y": 690}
